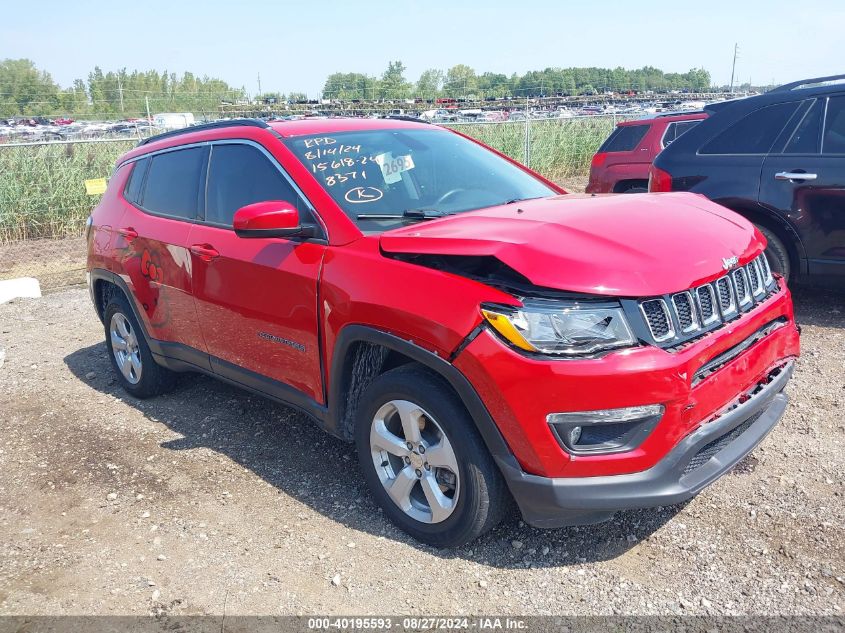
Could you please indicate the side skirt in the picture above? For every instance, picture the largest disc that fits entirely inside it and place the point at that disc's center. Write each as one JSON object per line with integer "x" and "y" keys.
{"x": 177, "y": 357}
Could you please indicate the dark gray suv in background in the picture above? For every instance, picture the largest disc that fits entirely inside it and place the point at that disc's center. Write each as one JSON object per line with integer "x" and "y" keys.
{"x": 779, "y": 160}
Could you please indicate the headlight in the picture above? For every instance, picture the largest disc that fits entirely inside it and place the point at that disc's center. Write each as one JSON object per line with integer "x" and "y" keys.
{"x": 565, "y": 328}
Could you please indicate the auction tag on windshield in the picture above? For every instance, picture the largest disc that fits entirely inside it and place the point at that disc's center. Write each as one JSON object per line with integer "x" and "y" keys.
{"x": 392, "y": 168}
{"x": 95, "y": 186}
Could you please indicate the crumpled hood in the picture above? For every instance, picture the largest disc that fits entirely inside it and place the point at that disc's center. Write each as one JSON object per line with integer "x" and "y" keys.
{"x": 623, "y": 245}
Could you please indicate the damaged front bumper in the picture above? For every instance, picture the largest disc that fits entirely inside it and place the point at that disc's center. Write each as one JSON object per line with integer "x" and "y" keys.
{"x": 695, "y": 462}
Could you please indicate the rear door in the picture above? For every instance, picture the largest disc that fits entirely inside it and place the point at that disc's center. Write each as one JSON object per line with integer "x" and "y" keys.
{"x": 163, "y": 192}
{"x": 256, "y": 298}
{"x": 805, "y": 180}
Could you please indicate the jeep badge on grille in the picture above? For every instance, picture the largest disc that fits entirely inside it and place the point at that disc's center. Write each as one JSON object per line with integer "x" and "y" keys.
{"x": 729, "y": 262}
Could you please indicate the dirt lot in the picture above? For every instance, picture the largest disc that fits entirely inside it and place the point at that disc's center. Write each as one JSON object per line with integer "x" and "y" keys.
{"x": 55, "y": 263}
{"x": 213, "y": 501}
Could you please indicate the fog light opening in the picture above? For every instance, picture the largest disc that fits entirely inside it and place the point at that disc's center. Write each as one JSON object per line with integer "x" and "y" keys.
{"x": 604, "y": 430}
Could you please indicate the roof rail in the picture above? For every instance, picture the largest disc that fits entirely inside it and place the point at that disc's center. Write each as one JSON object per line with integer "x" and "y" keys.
{"x": 805, "y": 82}
{"x": 206, "y": 126}
{"x": 405, "y": 117}
{"x": 677, "y": 113}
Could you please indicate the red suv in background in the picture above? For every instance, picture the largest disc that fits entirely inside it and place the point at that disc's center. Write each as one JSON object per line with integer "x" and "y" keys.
{"x": 622, "y": 162}
{"x": 476, "y": 333}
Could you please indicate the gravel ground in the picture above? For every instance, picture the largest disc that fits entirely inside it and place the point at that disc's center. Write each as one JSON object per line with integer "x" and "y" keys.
{"x": 211, "y": 501}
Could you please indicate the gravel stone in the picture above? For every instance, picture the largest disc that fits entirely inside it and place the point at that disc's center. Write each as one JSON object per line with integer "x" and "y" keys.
{"x": 766, "y": 539}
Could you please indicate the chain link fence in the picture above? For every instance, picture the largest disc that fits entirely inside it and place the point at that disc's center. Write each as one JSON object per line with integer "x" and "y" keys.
{"x": 44, "y": 204}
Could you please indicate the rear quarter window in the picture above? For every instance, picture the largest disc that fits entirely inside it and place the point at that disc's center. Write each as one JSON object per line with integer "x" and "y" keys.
{"x": 624, "y": 138}
{"x": 755, "y": 133}
{"x": 676, "y": 129}
{"x": 136, "y": 179}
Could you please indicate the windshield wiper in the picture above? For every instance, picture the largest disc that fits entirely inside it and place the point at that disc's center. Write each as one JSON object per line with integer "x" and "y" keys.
{"x": 407, "y": 214}
{"x": 522, "y": 199}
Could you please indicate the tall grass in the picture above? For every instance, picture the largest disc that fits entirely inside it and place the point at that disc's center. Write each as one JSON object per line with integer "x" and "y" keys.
{"x": 558, "y": 148}
{"x": 42, "y": 187}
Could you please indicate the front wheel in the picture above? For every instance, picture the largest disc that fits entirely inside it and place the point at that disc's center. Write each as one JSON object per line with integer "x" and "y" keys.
{"x": 776, "y": 253}
{"x": 424, "y": 461}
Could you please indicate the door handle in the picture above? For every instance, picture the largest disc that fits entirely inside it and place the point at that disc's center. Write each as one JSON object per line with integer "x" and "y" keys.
{"x": 795, "y": 175}
{"x": 128, "y": 233}
{"x": 206, "y": 252}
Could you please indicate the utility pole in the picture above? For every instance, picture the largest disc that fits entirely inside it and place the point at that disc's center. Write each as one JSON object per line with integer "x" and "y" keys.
{"x": 527, "y": 148}
{"x": 147, "y": 101}
{"x": 733, "y": 68}
{"x": 259, "y": 85}
{"x": 120, "y": 92}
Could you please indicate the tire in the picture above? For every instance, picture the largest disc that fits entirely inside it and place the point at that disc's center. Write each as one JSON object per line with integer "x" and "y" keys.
{"x": 471, "y": 501}
{"x": 138, "y": 374}
{"x": 776, "y": 253}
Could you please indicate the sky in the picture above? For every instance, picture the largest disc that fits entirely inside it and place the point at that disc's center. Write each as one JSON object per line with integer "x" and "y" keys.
{"x": 295, "y": 45}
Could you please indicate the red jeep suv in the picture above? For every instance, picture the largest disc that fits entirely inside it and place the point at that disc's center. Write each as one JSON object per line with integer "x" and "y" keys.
{"x": 622, "y": 162}
{"x": 478, "y": 334}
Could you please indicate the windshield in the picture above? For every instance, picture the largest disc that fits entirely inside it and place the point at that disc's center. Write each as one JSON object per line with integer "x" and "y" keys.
{"x": 387, "y": 178}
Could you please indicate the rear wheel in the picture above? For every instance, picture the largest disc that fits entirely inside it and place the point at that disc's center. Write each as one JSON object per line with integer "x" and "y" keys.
{"x": 423, "y": 460}
{"x": 776, "y": 253}
{"x": 129, "y": 353}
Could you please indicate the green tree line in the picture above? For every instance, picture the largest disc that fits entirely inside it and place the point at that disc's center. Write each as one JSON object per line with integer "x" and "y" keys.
{"x": 463, "y": 81}
{"x": 27, "y": 91}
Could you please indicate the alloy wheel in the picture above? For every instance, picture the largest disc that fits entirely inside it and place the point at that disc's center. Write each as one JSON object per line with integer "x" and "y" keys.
{"x": 124, "y": 344}
{"x": 415, "y": 461}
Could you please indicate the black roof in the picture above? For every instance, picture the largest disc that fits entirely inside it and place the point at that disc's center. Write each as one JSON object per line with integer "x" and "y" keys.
{"x": 214, "y": 125}
{"x": 802, "y": 89}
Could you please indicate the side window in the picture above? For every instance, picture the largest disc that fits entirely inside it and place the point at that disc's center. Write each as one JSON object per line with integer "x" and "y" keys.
{"x": 834, "y": 127}
{"x": 805, "y": 138}
{"x": 133, "y": 187}
{"x": 753, "y": 134}
{"x": 624, "y": 138}
{"x": 676, "y": 129}
{"x": 172, "y": 186}
{"x": 239, "y": 175}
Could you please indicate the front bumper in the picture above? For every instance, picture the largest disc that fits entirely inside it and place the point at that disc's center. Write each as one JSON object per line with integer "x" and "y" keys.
{"x": 695, "y": 462}
{"x": 523, "y": 390}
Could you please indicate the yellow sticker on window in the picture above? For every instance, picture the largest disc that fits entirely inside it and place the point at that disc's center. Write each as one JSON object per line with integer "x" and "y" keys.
{"x": 392, "y": 168}
{"x": 95, "y": 186}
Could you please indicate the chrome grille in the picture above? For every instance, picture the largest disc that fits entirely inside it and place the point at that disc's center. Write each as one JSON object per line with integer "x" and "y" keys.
{"x": 682, "y": 314}
{"x": 659, "y": 322}
{"x": 685, "y": 310}
{"x": 764, "y": 266}
{"x": 727, "y": 305}
{"x": 755, "y": 278}
{"x": 743, "y": 296}
{"x": 707, "y": 304}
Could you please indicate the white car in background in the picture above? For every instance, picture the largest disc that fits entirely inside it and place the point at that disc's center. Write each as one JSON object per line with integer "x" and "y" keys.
{"x": 173, "y": 120}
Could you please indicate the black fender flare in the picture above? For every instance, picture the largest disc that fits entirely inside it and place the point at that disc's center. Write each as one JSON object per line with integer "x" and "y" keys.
{"x": 101, "y": 274}
{"x": 759, "y": 213}
{"x": 352, "y": 334}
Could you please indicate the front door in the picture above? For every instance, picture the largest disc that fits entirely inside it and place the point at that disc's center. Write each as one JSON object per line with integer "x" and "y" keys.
{"x": 256, "y": 298}
{"x": 806, "y": 181}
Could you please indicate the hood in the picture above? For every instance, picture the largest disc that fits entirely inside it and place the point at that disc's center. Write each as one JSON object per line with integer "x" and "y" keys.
{"x": 622, "y": 245}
